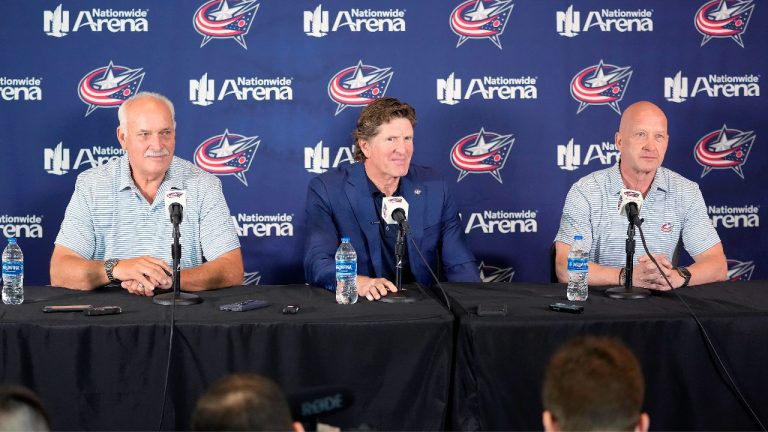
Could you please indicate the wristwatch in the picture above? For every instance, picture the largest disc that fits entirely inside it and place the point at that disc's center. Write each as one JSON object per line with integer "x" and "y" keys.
{"x": 685, "y": 274}
{"x": 109, "y": 265}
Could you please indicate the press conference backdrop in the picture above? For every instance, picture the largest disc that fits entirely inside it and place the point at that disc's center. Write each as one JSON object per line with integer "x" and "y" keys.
{"x": 516, "y": 100}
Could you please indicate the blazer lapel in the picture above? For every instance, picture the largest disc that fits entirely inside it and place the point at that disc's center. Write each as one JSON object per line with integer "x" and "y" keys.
{"x": 361, "y": 201}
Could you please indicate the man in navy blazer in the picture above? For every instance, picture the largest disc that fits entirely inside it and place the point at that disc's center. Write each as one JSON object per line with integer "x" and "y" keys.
{"x": 347, "y": 202}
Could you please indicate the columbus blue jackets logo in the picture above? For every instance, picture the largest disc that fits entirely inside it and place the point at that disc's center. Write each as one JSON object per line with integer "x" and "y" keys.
{"x": 724, "y": 19}
{"x": 217, "y": 20}
{"x": 481, "y": 19}
{"x": 725, "y": 148}
{"x": 227, "y": 154}
{"x": 601, "y": 84}
{"x": 740, "y": 271}
{"x": 490, "y": 273}
{"x": 481, "y": 153}
{"x": 358, "y": 85}
{"x": 109, "y": 86}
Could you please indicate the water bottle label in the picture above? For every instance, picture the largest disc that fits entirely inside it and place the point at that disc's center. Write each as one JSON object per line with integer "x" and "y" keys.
{"x": 346, "y": 267}
{"x": 13, "y": 268}
{"x": 578, "y": 264}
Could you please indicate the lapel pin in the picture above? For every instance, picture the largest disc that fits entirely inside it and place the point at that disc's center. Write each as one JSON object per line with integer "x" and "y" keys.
{"x": 417, "y": 191}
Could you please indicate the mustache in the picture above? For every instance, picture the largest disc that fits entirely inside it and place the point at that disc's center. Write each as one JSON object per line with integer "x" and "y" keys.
{"x": 157, "y": 153}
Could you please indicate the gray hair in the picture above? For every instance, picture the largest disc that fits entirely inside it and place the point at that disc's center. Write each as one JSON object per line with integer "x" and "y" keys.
{"x": 122, "y": 112}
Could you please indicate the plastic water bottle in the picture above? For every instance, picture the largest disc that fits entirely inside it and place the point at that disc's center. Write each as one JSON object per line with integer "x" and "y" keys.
{"x": 346, "y": 273}
{"x": 578, "y": 270}
{"x": 13, "y": 273}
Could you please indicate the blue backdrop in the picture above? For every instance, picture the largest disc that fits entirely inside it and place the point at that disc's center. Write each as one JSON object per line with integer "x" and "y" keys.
{"x": 540, "y": 83}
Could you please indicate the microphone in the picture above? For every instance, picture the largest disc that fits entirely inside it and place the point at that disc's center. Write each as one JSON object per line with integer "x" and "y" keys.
{"x": 175, "y": 201}
{"x": 394, "y": 210}
{"x": 630, "y": 202}
{"x": 311, "y": 404}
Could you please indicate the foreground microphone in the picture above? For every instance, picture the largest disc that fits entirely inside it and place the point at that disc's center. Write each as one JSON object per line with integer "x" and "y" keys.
{"x": 630, "y": 202}
{"x": 175, "y": 201}
{"x": 394, "y": 210}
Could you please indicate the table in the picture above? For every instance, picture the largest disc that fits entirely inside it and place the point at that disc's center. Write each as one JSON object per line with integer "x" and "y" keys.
{"x": 107, "y": 372}
{"x": 500, "y": 361}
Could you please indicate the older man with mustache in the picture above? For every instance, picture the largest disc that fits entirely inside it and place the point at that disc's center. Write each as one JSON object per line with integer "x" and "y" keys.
{"x": 116, "y": 229}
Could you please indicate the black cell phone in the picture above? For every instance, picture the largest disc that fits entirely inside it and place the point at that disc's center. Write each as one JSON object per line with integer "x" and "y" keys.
{"x": 492, "y": 309}
{"x": 103, "y": 310}
{"x": 566, "y": 307}
{"x": 66, "y": 308}
{"x": 244, "y": 305}
{"x": 291, "y": 309}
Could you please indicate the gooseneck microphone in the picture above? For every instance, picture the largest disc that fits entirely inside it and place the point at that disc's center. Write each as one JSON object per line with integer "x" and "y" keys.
{"x": 630, "y": 202}
{"x": 394, "y": 210}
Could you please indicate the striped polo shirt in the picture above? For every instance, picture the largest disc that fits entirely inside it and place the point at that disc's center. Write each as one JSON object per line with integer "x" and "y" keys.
{"x": 108, "y": 217}
{"x": 673, "y": 209}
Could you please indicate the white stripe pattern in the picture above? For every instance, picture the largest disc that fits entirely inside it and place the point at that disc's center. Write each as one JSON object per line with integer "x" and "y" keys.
{"x": 673, "y": 209}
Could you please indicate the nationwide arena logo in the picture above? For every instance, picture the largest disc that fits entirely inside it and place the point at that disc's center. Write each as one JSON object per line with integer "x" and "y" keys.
{"x": 316, "y": 22}
{"x": 569, "y": 155}
{"x": 490, "y": 274}
{"x": 601, "y": 84}
{"x": 746, "y": 216}
{"x": 227, "y": 154}
{"x": 109, "y": 86}
{"x": 481, "y": 19}
{"x": 263, "y": 225}
{"x": 481, "y": 153}
{"x": 503, "y": 222}
{"x": 317, "y": 159}
{"x": 676, "y": 88}
{"x": 740, "y": 271}
{"x": 29, "y": 226}
{"x": 27, "y": 89}
{"x": 450, "y": 91}
{"x": 358, "y": 85}
{"x": 724, "y": 19}
{"x": 724, "y": 149}
{"x": 56, "y": 160}
{"x": 569, "y": 22}
{"x": 203, "y": 91}
{"x": 217, "y": 20}
{"x": 56, "y": 22}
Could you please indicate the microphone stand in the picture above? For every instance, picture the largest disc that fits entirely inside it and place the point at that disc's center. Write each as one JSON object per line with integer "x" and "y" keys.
{"x": 628, "y": 292}
{"x": 176, "y": 296}
{"x": 402, "y": 295}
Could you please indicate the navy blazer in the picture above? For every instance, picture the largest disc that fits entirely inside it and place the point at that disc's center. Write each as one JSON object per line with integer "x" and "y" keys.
{"x": 339, "y": 203}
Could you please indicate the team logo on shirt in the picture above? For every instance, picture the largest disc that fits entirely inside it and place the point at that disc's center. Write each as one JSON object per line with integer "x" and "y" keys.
{"x": 724, "y": 19}
{"x": 358, "y": 85}
{"x": 666, "y": 228}
{"x": 481, "y": 153}
{"x": 481, "y": 19}
{"x": 600, "y": 84}
{"x": 740, "y": 271}
{"x": 109, "y": 86}
{"x": 725, "y": 148}
{"x": 227, "y": 154}
{"x": 217, "y": 20}
{"x": 489, "y": 273}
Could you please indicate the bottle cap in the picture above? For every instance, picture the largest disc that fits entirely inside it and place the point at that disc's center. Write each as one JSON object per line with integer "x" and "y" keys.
{"x": 345, "y": 239}
{"x": 578, "y": 237}
{"x": 11, "y": 239}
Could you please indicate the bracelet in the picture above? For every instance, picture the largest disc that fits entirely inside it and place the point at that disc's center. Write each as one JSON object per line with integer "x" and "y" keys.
{"x": 622, "y": 276}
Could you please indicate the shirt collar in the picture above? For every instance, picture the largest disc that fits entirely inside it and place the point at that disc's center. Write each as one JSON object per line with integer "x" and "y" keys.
{"x": 660, "y": 180}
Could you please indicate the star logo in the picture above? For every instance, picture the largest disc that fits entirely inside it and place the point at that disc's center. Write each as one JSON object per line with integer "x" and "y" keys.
{"x": 724, "y": 149}
{"x": 724, "y": 19}
{"x": 481, "y": 153}
{"x": 490, "y": 273}
{"x": 227, "y": 154}
{"x": 109, "y": 86}
{"x": 601, "y": 84}
{"x": 739, "y": 271}
{"x": 216, "y": 19}
{"x": 251, "y": 278}
{"x": 358, "y": 85}
{"x": 481, "y": 19}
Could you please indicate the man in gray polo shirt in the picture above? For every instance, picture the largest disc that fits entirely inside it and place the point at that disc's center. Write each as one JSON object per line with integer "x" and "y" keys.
{"x": 673, "y": 209}
{"x": 116, "y": 228}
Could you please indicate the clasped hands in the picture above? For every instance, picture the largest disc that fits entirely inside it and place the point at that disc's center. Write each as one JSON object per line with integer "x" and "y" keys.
{"x": 141, "y": 275}
{"x": 646, "y": 275}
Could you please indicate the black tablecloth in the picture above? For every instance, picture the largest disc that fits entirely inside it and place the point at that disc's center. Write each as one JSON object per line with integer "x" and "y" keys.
{"x": 106, "y": 372}
{"x": 501, "y": 361}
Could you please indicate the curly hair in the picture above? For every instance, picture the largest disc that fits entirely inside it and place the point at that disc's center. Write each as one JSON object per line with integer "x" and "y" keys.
{"x": 376, "y": 114}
